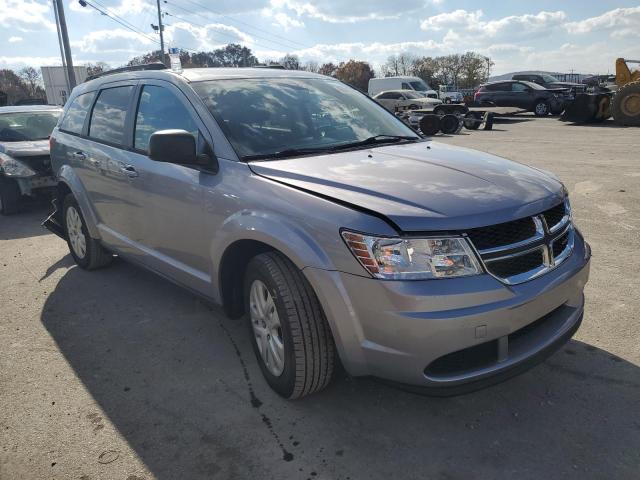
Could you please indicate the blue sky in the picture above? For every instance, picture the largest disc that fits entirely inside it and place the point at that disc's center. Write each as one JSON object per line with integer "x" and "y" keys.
{"x": 584, "y": 36}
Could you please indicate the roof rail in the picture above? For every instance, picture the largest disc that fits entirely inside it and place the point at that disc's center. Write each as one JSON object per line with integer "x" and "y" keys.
{"x": 132, "y": 68}
{"x": 274, "y": 66}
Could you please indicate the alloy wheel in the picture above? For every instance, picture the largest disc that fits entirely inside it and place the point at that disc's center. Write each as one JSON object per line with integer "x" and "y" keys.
{"x": 267, "y": 328}
{"x": 74, "y": 231}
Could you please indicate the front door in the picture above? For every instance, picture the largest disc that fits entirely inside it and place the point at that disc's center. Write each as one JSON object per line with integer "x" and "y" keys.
{"x": 167, "y": 198}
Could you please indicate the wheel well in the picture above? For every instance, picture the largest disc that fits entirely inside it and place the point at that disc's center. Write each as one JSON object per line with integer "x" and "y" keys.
{"x": 62, "y": 191}
{"x": 231, "y": 274}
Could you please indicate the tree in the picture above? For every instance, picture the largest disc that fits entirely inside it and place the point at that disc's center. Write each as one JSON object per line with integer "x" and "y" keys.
{"x": 97, "y": 68}
{"x": 328, "y": 69}
{"x": 426, "y": 68}
{"x": 150, "y": 57}
{"x": 14, "y": 86}
{"x": 355, "y": 73}
{"x": 290, "y": 62}
{"x": 31, "y": 78}
{"x": 311, "y": 66}
{"x": 400, "y": 64}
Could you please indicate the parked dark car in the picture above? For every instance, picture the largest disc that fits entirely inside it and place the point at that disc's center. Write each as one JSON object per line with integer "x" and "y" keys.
{"x": 525, "y": 95}
{"x": 549, "y": 81}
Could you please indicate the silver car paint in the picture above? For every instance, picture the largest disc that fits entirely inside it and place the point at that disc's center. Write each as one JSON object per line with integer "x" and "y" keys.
{"x": 179, "y": 222}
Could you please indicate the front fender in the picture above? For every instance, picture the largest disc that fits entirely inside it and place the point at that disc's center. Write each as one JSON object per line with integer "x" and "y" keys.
{"x": 68, "y": 177}
{"x": 274, "y": 230}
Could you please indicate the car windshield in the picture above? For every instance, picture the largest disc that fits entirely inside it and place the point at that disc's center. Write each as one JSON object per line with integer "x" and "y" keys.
{"x": 549, "y": 78}
{"x": 534, "y": 86}
{"x": 266, "y": 117}
{"x": 420, "y": 86}
{"x": 410, "y": 94}
{"x": 27, "y": 126}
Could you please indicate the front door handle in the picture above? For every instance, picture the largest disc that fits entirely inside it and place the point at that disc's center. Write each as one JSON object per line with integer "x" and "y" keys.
{"x": 79, "y": 156}
{"x": 129, "y": 170}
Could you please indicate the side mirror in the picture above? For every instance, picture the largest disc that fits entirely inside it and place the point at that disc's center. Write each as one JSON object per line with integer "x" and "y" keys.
{"x": 173, "y": 146}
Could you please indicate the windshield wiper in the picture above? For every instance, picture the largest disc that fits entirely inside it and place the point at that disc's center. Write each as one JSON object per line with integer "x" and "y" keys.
{"x": 377, "y": 139}
{"x": 292, "y": 152}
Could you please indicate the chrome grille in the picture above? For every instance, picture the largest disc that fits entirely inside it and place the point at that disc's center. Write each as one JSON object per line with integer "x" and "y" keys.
{"x": 518, "y": 251}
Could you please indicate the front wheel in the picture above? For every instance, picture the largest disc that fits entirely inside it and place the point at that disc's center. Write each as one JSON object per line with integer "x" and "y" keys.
{"x": 86, "y": 251}
{"x": 541, "y": 108}
{"x": 291, "y": 337}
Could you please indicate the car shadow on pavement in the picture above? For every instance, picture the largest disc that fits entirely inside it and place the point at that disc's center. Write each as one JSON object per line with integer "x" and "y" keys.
{"x": 26, "y": 223}
{"x": 180, "y": 383}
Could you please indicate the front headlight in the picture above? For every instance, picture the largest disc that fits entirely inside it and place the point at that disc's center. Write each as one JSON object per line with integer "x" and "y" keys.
{"x": 14, "y": 168}
{"x": 393, "y": 258}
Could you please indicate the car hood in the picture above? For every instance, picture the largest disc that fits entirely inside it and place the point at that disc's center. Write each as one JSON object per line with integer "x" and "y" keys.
{"x": 25, "y": 149}
{"x": 424, "y": 186}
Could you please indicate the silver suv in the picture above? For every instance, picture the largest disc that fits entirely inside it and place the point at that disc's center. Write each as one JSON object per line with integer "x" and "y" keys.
{"x": 337, "y": 232}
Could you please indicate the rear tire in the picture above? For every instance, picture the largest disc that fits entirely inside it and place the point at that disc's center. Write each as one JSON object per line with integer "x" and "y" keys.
{"x": 294, "y": 318}
{"x": 626, "y": 105}
{"x": 9, "y": 196}
{"x": 86, "y": 251}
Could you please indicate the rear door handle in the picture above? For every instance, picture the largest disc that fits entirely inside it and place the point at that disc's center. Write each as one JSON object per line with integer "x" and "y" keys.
{"x": 79, "y": 156}
{"x": 129, "y": 170}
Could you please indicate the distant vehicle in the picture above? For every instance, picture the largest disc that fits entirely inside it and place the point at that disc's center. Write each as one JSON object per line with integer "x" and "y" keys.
{"x": 525, "y": 95}
{"x": 395, "y": 100}
{"x": 450, "y": 94}
{"x": 377, "y": 85}
{"x": 25, "y": 166}
{"x": 548, "y": 81}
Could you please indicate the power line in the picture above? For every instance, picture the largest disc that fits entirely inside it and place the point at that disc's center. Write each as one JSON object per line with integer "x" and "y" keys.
{"x": 288, "y": 47}
{"x": 196, "y": 24}
{"x": 117, "y": 19}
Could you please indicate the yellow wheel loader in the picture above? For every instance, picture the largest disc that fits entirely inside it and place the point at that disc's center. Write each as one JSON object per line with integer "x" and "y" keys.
{"x": 623, "y": 104}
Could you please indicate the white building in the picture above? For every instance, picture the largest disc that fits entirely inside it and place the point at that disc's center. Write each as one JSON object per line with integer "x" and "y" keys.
{"x": 55, "y": 82}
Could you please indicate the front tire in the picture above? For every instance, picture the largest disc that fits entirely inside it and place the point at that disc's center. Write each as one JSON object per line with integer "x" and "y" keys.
{"x": 291, "y": 337}
{"x": 541, "y": 108}
{"x": 86, "y": 251}
{"x": 9, "y": 196}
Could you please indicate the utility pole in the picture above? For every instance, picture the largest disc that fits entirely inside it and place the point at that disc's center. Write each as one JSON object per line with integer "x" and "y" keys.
{"x": 62, "y": 28}
{"x": 160, "y": 31}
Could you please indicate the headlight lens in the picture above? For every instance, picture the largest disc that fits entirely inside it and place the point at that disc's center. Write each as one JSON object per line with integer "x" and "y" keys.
{"x": 392, "y": 258}
{"x": 14, "y": 168}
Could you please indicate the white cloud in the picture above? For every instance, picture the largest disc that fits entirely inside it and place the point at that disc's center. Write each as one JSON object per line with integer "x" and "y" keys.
{"x": 339, "y": 11}
{"x": 25, "y": 15}
{"x": 613, "y": 19}
{"x": 26, "y": 61}
{"x": 462, "y": 23}
{"x": 283, "y": 20}
{"x": 117, "y": 40}
{"x": 205, "y": 37}
{"x": 15, "y": 39}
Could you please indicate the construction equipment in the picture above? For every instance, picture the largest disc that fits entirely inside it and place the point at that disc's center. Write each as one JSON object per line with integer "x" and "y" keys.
{"x": 623, "y": 103}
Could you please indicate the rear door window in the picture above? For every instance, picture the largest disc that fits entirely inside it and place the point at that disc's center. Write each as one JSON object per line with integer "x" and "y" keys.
{"x": 73, "y": 120}
{"x": 160, "y": 109}
{"x": 109, "y": 115}
{"x": 519, "y": 87}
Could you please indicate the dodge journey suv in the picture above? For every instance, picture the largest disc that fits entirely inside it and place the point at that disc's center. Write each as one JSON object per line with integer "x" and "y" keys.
{"x": 334, "y": 230}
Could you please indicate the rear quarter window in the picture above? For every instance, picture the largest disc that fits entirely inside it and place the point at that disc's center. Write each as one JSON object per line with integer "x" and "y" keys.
{"x": 76, "y": 114}
{"x": 109, "y": 115}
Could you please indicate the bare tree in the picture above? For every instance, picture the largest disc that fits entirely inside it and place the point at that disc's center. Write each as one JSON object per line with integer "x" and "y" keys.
{"x": 311, "y": 66}
{"x": 328, "y": 69}
{"x": 32, "y": 79}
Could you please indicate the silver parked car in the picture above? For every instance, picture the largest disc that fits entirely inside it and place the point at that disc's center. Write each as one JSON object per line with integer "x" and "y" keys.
{"x": 25, "y": 168}
{"x": 336, "y": 232}
{"x": 397, "y": 100}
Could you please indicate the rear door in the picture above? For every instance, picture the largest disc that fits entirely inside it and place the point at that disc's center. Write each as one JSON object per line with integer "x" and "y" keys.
{"x": 167, "y": 199}
{"x": 101, "y": 160}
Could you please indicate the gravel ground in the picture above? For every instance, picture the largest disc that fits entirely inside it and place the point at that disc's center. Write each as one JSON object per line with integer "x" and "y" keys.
{"x": 118, "y": 374}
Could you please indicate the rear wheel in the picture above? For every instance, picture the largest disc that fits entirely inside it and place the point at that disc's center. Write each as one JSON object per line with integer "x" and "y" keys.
{"x": 292, "y": 339}
{"x": 541, "y": 108}
{"x": 626, "y": 105}
{"x": 9, "y": 196}
{"x": 86, "y": 251}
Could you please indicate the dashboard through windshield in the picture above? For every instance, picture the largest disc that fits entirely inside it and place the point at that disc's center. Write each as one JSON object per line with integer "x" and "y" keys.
{"x": 264, "y": 116}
